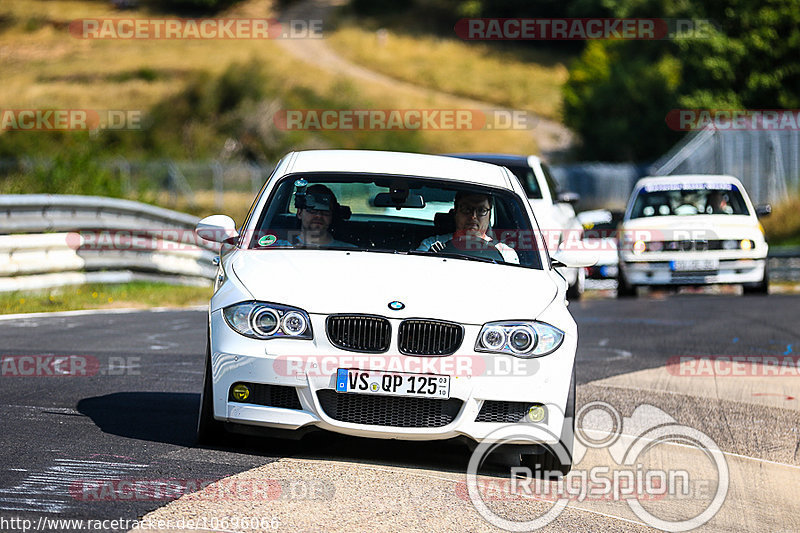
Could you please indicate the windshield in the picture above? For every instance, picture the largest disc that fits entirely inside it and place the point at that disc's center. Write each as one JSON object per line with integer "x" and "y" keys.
{"x": 528, "y": 179}
{"x": 393, "y": 214}
{"x": 687, "y": 199}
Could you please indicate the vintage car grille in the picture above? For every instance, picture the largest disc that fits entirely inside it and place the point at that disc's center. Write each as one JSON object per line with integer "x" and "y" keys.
{"x": 505, "y": 412}
{"x": 388, "y": 410}
{"x": 429, "y": 337}
{"x": 359, "y": 333}
{"x": 697, "y": 245}
{"x": 270, "y": 395}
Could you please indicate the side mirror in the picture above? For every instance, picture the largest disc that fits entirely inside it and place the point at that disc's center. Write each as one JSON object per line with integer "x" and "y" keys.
{"x": 574, "y": 259}
{"x": 217, "y": 228}
{"x": 571, "y": 198}
{"x": 763, "y": 210}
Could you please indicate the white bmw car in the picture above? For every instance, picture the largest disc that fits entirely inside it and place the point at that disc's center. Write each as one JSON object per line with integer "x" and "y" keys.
{"x": 341, "y": 306}
{"x": 692, "y": 230}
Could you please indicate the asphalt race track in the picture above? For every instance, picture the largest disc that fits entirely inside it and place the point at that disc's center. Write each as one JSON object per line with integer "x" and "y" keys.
{"x": 134, "y": 419}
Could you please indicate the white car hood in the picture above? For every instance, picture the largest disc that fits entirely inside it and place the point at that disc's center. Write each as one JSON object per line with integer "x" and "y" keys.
{"x": 332, "y": 281}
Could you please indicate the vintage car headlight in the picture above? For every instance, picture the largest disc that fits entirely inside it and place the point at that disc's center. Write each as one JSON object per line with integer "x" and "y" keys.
{"x": 521, "y": 339}
{"x": 259, "y": 320}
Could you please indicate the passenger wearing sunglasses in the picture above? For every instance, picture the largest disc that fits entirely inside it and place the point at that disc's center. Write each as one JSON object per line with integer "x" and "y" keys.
{"x": 472, "y": 213}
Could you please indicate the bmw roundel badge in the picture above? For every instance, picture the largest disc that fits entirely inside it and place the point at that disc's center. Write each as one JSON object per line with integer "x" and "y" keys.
{"x": 396, "y": 306}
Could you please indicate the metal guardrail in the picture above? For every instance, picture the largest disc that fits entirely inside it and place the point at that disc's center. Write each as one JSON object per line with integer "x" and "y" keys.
{"x": 53, "y": 240}
{"x": 784, "y": 263}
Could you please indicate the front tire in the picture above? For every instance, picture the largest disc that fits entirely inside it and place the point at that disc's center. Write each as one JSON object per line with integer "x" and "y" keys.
{"x": 209, "y": 430}
{"x": 624, "y": 289}
{"x": 575, "y": 291}
{"x": 760, "y": 288}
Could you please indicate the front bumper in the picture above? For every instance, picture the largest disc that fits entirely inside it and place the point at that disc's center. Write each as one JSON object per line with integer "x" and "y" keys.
{"x": 309, "y": 367}
{"x": 661, "y": 272}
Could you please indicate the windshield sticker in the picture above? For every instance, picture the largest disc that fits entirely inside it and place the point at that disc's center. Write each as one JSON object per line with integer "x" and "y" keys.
{"x": 267, "y": 240}
{"x": 656, "y": 187}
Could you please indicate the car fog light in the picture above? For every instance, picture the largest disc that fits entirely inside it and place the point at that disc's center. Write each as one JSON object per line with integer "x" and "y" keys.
{"x": 746, "y": 244}
{"x": 240, "y": 392}
{"x": 493, "y": 338}
{"x": 536, "y": 413}
{"x": 294, "y": 323}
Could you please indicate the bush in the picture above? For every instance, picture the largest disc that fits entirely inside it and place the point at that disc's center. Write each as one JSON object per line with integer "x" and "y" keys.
{"x": 750, "y": 60}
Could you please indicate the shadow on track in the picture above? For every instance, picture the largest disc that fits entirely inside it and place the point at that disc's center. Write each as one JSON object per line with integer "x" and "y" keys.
{"x": 171, "y": 418}
{"x": 154, "y": 416}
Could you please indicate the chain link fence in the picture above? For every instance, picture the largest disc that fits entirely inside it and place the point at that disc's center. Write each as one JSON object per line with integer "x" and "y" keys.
{"x": 766, "y": 162}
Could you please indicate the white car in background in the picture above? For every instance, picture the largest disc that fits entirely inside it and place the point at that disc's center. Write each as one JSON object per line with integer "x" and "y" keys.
{"x": 555, "y": 210}
{"x": 600, "y": 238}
{"x": 371, "y": 337}
{"x": 692, "y": 230}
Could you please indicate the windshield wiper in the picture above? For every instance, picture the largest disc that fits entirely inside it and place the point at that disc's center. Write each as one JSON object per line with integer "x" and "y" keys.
{"x": 454, "y": 256}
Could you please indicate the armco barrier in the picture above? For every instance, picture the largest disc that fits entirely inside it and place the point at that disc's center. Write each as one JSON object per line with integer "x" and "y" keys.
{"x": 41, "y": 244}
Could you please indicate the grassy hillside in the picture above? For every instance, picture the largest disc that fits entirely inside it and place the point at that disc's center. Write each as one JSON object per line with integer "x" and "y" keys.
{"x": 530, "y": 80}
{"x": 44, "y": 67}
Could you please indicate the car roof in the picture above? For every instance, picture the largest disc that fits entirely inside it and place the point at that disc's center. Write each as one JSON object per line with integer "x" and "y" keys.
{"x": 687, "y": 178}
{"x": 398, "y": 163}
{"x": 496, "y": 159}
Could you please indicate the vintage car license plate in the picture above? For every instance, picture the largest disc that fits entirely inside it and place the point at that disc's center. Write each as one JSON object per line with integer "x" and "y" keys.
{"x": 393, "y": 383}
{"x": 694, "y": 265}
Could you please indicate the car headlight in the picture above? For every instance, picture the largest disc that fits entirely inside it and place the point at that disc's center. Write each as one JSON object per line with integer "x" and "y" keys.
{"x": 521, "y": 339}
{"x": 259, "y": 320}
{"x": 639, "y": 247}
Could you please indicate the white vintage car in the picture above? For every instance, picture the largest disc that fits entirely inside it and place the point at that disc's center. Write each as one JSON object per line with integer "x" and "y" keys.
{"x": 692, "y": 230}
{"x": 341, "y": 306}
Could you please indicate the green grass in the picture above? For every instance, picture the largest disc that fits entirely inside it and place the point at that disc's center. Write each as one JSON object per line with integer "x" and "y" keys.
{"x": 104, "y": 296}
{"x": 783, "y": 225}
{"x": 529, "y": 80}
{"x": 45, "y": 68}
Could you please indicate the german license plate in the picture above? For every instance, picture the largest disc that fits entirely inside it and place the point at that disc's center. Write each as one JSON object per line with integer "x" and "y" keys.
{"x": 393, "y": 383}
{"x": 694, "y": 265}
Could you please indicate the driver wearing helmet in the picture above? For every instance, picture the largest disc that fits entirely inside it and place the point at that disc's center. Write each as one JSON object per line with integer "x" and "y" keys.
{"x": 472, "y": 213}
